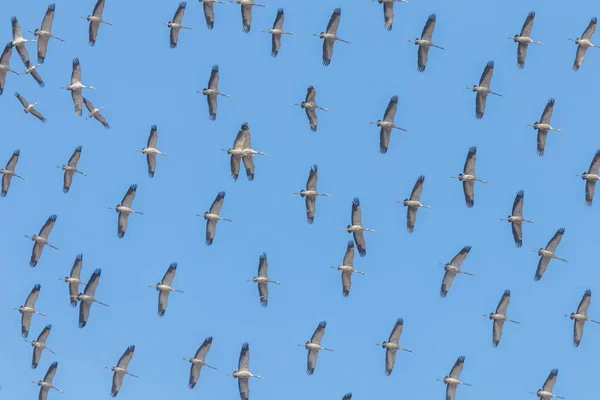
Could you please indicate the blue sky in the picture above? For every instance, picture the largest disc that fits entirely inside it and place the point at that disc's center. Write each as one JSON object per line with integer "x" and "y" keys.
{"x": 141, "y": 82}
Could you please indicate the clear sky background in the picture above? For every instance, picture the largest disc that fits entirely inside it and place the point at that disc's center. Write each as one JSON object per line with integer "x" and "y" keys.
{"x": 141, "y": 82}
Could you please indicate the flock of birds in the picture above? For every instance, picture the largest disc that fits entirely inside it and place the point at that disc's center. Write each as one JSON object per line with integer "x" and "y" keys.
{"x": 242, "y": 151}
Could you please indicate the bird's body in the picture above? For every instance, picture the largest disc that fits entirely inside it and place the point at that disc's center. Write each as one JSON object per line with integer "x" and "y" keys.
{"x": 120, "y": 370}
{"x": 276, "y": 32}
{"x": 516, "y": 219}
{"x": 212, "y": 92}
{"x": 95, "y": 113}
{"x": 41, "y": 240}
{"x": 9, "y": 171}
{"x": 330, "y": 36}
{"x": 357, "y": 228}
{"x": 246, "y": 6}
{"x": 314, "y": 346}
{"x": 392, "y": 345}
{"x": 124, "y": 209}
{"x": 483, "y": 89}
{"x": 242, "y": 150}
{"x": 76, "y": 87}
{"x": 591, "y": 177}
{"x": 413, "y": 204}
{"x": 468, "y": 177}
{"x": 28, "y": 309}
{"x": 453, "y": 268}
{"x": 311, "y": 107}
{"x": 547, "y": 254}
{"x": 95, "y": 20}
{"x": 263, "y": 280}
{"x": 583, "y": 43}
{"x": 424, "y": 43}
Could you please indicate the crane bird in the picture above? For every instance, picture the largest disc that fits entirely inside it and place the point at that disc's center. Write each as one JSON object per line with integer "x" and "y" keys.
{"x": 499, "y": 317}
{"x": 121, "y": 370}
{"x": 176, "y": 25}
{"x": 452, "y": 381}
{"x": 199, "y": 361}
{"x": 209, "y": 11}
{"x": 19, "y": 41}
{"x": 314, "y": 346}
{"x": 164, "y": 287}
{"x": 276, "y": 32}
{"x": 28, "y": 309}
{"x": 311, "y": 106}
{"x": 547, "y": 254}
{"x": 74, "y": 279}
{"x": 330, "y": 36}
{"x": 453, "y": 268}
{"x": 95, "y": 20}
{"x": 543, "y": 127}
{"x": 88, "y": 297}
{"x": 357, "y": 228}
{"x": 591, "y": 177}
{"x": 32, "y": 70}
{"x": 46, "y": 384}
{"x": 71, "y": 169}
{"x": 583, "y": 43}
{"x": 468, "y": 177}
{"x": 347, "y": 396}
{"x": 523, "y": 39}
{"x": 545, "y": 393}
{"x": 387, "y": 124}
{"x": 392, "y": 346}
{"x": 212, "y": 217}
{"x": 425, "y": 43}
{"x": 95, "y": 113}
{"x": 247, "y": 12}
{"x": 347, "y": 268}
{"x": 44, "y": 34}
{"x": 516, "y": 218}
{"x": 41, "y": 240}
{"x": 30, "y": 108}
{"x": 76, "y": 86}
{"x": 580, "y": 317}
{"x": 483, "y": 89}
{"x": 124, "y": 209}
{"x": 242, "y": 149}
{"x": 4, "y": 67}
{"x": 151, "y": 151}
{"x": 212, "y": 92}
{"x": 263, "y": 279}
{"x": 388, "y": 12}
{"x": 243, "y": 374}
{"x": 413, "y": 204}
{"x": 39, "y": 345}
{"x": 310, "y": 194}
{"x": 9, "y": 172}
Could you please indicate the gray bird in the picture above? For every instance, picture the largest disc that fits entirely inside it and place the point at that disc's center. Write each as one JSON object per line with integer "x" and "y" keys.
{"x": 314, "y": 346}
{"x": 95, "y": 113}
{"x": 209, "y": 11}
{"x": 425, "y": 43}
{"x": 247, "y": 12}
{"x": 387, "y": 124}
{"x": 76, "y": 87}
{"x": 543, "y": 127}
{"x": 263, "y": 280}
{"x": 523, "y": 39}
{"x": 4, "y": 66}
{"x": 39, "y": 345}
{"x": 243, "y": 374}
{"x": 199, "y": 361}
{"x": 591, "y": 177}
{"x": 276, "y": 32}
{"x": 547, "y": 254}
{"x": 176, "y": 25}
{"x": 468, "y": 177}
{"x": 9, "y": 171}
{"x": 74, "y": 280}
{"x": 88, "y": 297}
{"x": 311, "y": 106}
{"x": 28, "y": 309}
{"x": 120, "y": 370}
{"x": 71, "y": 169}
{"x": 413, "y": 204}
{"x": 330, "y": 36}
{"x": 499, "y": 317}
{"x": 164, "y": 287}
{"x": 452, "y": 269}
{"x": 357, "y": 228}
{"x": 347, "y": 268}
{"x": 41, "y": 240}
{"x": 151, "y": 151}
{"x": 29, "y": 108}
{"x": 242, "y": 150}
{"x": 95, "y": 20}
{"x": 44, "y": 34}
{"x": 212, "y": 217}
{"x": 212, "y": 92}
{"x": 388, "y": 12}
{"x": 516, "y": 218}
{"x": 452, "y": 380}
{"x": 483, "y": 89}
{"x": 584, "y": 42}
{"x": 392, "y": 346}
{"x": 545, "y": 393}
{"x": 46, "y": 384}
{"x": 310, "y": 194}
{"x": 124, "y": 209}
{"x": 580, "y": 317}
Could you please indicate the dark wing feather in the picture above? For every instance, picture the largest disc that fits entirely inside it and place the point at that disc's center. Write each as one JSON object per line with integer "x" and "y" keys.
{"x": 550, "y": 381}
{"x": 361, "y": 244}
{"x": 213, "y": 81}
{"x": 313, "y": 177}
{"x": 541, "y": 141}
{"x": 469, "y": 191}
{"x": 595, "y": 164}
{"x": 528, "y": 25}
{"x": 411, "y": 218}
{"x": 311, "y": 113}
{"x": 388, "y": 15}
{"x": 209, "y": 15}
{"x": 122, "y": 224}
{"x": 319, "y": 332}
{"x": 12, "y": 162}
{"x": 235, "y": 166}
{"x": 486, "y": 76}
{"x": 584, "y": 304}
{"x": 211, "y": 230}
{"x": 458, "y": 367}
{"x": 47, "y": 228}
{"x": 551, "y": 246}
{"x": 215, "y": 208}
{"x": 460, "y": 257}
{"x": 547, "y": 114}
{"x": 422, "y": 56}
{"x": 349, "y": 255}
{"x": 275, "y": 44}
{"x": 75, "y": 157}
{"x": 541, "y": 268}
{"x": 579, "y": 57}
{"x": 311, "y": 205}
{"x": 334, "y": 21}
{"x": 22, "y": 100}
{"x": 522, "y": 54}
{"x": 249, "y": 165}
{"x": 67, "y": 181}
{"x": 311, "y": 94}
{"x": 590, "y": 187}
{"x": 591, "y": 28}
{"x": 384, "y": 139}
{"x": 517, "y": 208}
{"x": 503, "y": 303}
{"x": 396, "y": 331}
{"x": 417, "y": 189}
{"x": 129, "y": 196}
{"x": 447, "y": 283}
{"x": 517, "y": 231}
{"x": 279, "y": 18}
{"x": 390, "y": 111}
{"x": 327, "y": 51}
{"x": 246, "y": 18}
{"x": 429, "y": 28}
{"x": 346, "y": 282}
